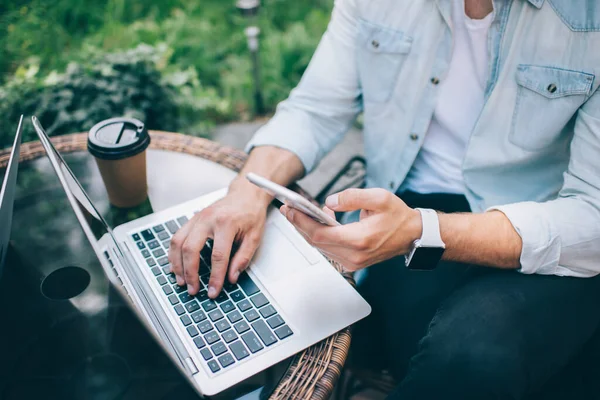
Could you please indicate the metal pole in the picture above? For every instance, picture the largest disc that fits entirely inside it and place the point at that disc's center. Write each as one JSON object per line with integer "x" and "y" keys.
{"x": 252, "y": 33}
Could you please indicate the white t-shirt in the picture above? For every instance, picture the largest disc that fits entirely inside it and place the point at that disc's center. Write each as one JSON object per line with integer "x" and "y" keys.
{"x": 438, "y": 166}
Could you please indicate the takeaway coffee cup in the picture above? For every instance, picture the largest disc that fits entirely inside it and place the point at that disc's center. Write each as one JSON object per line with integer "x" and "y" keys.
{"x": 119, "y": 146}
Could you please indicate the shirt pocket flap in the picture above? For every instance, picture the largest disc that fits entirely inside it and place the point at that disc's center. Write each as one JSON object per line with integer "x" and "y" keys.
{"x": 380, "y": 39}
{"x": 554, "y": 82}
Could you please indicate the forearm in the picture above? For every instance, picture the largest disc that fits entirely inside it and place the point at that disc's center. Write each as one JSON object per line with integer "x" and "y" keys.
{"x": 278, "y": 165}
{"x": 487, "y": 239}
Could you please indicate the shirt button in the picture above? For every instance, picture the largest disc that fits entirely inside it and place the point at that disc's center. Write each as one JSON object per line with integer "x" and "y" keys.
{"x": 391, "y": 185}
{"x": 435, "y": 80}
{"x": 414, "y": 136}
{"x": 375, "y": 44}
{"x": 551, "y": 88}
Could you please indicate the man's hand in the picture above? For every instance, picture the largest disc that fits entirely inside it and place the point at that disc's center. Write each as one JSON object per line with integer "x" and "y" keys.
{"x": 237, "y": 218}
{"x": 387, "y": 228}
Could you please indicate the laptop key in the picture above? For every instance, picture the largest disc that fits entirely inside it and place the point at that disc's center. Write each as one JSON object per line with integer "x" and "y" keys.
{"x": 172, "y": 227}
{"x": 275, "y": 321}
{"x": 141, "y": 245}
{"x": 156, "y": 271}
{"x": 198, "y": 316}
{"x": 214, "y": 367}
{"x": 222, "y": 325}
{"x": 166, "y": 269}
{"x": 239, "y": 350}
{"x": 145, "y": 253}
{"x": 264, "y": 332}
{"x": 182, "y": 220}
{"x": 192, "y": 331}
{"x": 205, "y": 326}
{"x": 226, "y": 360}
{"x": 259, "y": 300}
{"x": 205, "y": 278}
{"x": 171, "y": 278}
{"x": 215, "y": 315}
{"x": 162, "y": 236}
{"x": 199, "y": 342}
{"x": 241, "y": 327}
{"x": 218, "y": 348}
{"x": 230, "y": 287}
{"x": 237, "y": 296}
{"x": 229, "y": 336}
{"x": 163, "y": 261}
{"x": 283, "y": 332}
{"x": 234, "y": 316}
{"x": 202, "y": 295}
{"x": 166, "y": 244}
{"x": 147, "y": 235}
{"x": 227, "y": 307}
{"x": 161, "y": 280}
{"x": 267, "y": 311}
{"x": 153, "y": 244}
{"x": 158, "y": 228}
{"x": 179, "y": 289}
{"x": 209, "y": 305}
{"x": 244, "y": 305}
{"x": 206, "y": 354}
{"x": 252, "y": 342}
{"x": 192, "y": 306}
{"x": 173, "y": 299}
{"x": 168, "y": 290}
{"x": 186, "y": 320}
{"x": 136, "y": 237}
{"x": 221, "y": 297}
{"x": 179, "y": 309}
{"x": 211, "y": 337}
{"x": 158, "y": 252}
{"x": 251, "y": 315}
{"x": 185, "y": 297}
{"x": 247, "y": 285}
{"x": 150, "y": 262}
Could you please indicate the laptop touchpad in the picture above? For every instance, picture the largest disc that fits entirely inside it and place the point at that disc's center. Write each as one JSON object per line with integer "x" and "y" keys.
{"x": 277, "y": 256}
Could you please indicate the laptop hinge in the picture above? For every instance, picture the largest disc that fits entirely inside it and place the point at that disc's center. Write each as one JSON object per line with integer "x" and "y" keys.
{"x": 191, "y": 366}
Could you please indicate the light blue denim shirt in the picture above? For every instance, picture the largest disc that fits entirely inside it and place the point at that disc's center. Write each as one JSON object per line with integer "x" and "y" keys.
{"x": 534, "y": 153}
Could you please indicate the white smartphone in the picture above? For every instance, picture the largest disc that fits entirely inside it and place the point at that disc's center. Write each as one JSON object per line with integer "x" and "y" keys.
{"x": 291, "y": 199}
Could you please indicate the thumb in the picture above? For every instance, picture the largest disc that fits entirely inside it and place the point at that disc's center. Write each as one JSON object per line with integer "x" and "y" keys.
{"x": 359, "y": 199}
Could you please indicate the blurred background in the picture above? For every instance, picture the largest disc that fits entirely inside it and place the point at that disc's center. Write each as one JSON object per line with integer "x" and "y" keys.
{"x": 177, "y": 65}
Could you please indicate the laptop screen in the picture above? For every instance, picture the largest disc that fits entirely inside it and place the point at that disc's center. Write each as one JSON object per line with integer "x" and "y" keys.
{"x": 91, "y": 220}
{"x": 7, "y": 195}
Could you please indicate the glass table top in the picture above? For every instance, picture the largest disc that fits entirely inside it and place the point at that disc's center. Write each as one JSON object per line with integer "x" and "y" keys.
{"x": 64, "y": 333}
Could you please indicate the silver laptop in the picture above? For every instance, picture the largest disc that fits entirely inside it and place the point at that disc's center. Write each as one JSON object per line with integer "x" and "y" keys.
{"x": 289, "y": 298}
{"x": 7, "y": 195}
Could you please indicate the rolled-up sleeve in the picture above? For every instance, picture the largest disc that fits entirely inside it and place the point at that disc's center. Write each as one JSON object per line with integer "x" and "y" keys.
{"x": 562, "y": 236}
{"x": 321, "y": 109}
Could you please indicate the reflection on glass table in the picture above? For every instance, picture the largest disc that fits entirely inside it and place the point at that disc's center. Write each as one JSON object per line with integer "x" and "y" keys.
{"x": 65, "y": 334}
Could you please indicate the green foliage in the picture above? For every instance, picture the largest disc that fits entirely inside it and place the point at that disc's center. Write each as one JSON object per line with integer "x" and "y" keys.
{"x": 130, "y": 83}
{"x": 176, "y": 64}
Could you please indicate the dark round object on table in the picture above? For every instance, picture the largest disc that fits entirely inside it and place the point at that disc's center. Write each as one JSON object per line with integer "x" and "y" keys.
{"x": 118, "y": 138}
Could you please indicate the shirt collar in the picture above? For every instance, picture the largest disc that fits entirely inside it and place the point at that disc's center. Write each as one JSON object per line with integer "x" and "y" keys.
{"x": 537, "y": 3}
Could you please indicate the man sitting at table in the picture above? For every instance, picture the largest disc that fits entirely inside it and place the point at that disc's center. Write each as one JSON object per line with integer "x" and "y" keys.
{"x": 485, "y": 111}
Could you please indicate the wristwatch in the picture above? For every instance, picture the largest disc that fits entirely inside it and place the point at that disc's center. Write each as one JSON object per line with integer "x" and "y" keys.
{"x": 427, "y": 251}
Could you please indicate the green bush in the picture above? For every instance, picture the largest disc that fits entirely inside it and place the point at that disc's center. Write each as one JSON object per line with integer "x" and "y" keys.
{"x": 129, "y": 83}
{"x": 176, "y": 64}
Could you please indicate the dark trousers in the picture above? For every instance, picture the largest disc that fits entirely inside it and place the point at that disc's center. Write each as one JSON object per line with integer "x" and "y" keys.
{"x": 468, "y": 332}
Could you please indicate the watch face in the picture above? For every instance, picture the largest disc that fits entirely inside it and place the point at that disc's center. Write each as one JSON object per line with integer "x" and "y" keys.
{"x": 426, "y": 258}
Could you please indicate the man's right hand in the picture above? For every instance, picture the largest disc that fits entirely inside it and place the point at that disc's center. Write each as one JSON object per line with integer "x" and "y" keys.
{"x": 237, "y": 218}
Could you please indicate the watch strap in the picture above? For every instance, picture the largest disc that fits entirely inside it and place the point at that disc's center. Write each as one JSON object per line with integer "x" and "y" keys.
{"x": 431, "y": 236}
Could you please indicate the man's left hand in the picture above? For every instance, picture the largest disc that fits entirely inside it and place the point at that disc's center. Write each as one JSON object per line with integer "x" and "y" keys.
{"x": 387, "y": 228}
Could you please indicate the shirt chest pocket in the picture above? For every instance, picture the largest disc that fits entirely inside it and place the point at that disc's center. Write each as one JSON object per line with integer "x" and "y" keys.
{"x": 381, "y": 52}
{"x": 547, "y": 99}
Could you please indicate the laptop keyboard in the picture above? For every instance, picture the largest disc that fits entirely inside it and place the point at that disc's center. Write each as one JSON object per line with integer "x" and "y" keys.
{"x": 236, "y": 325}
